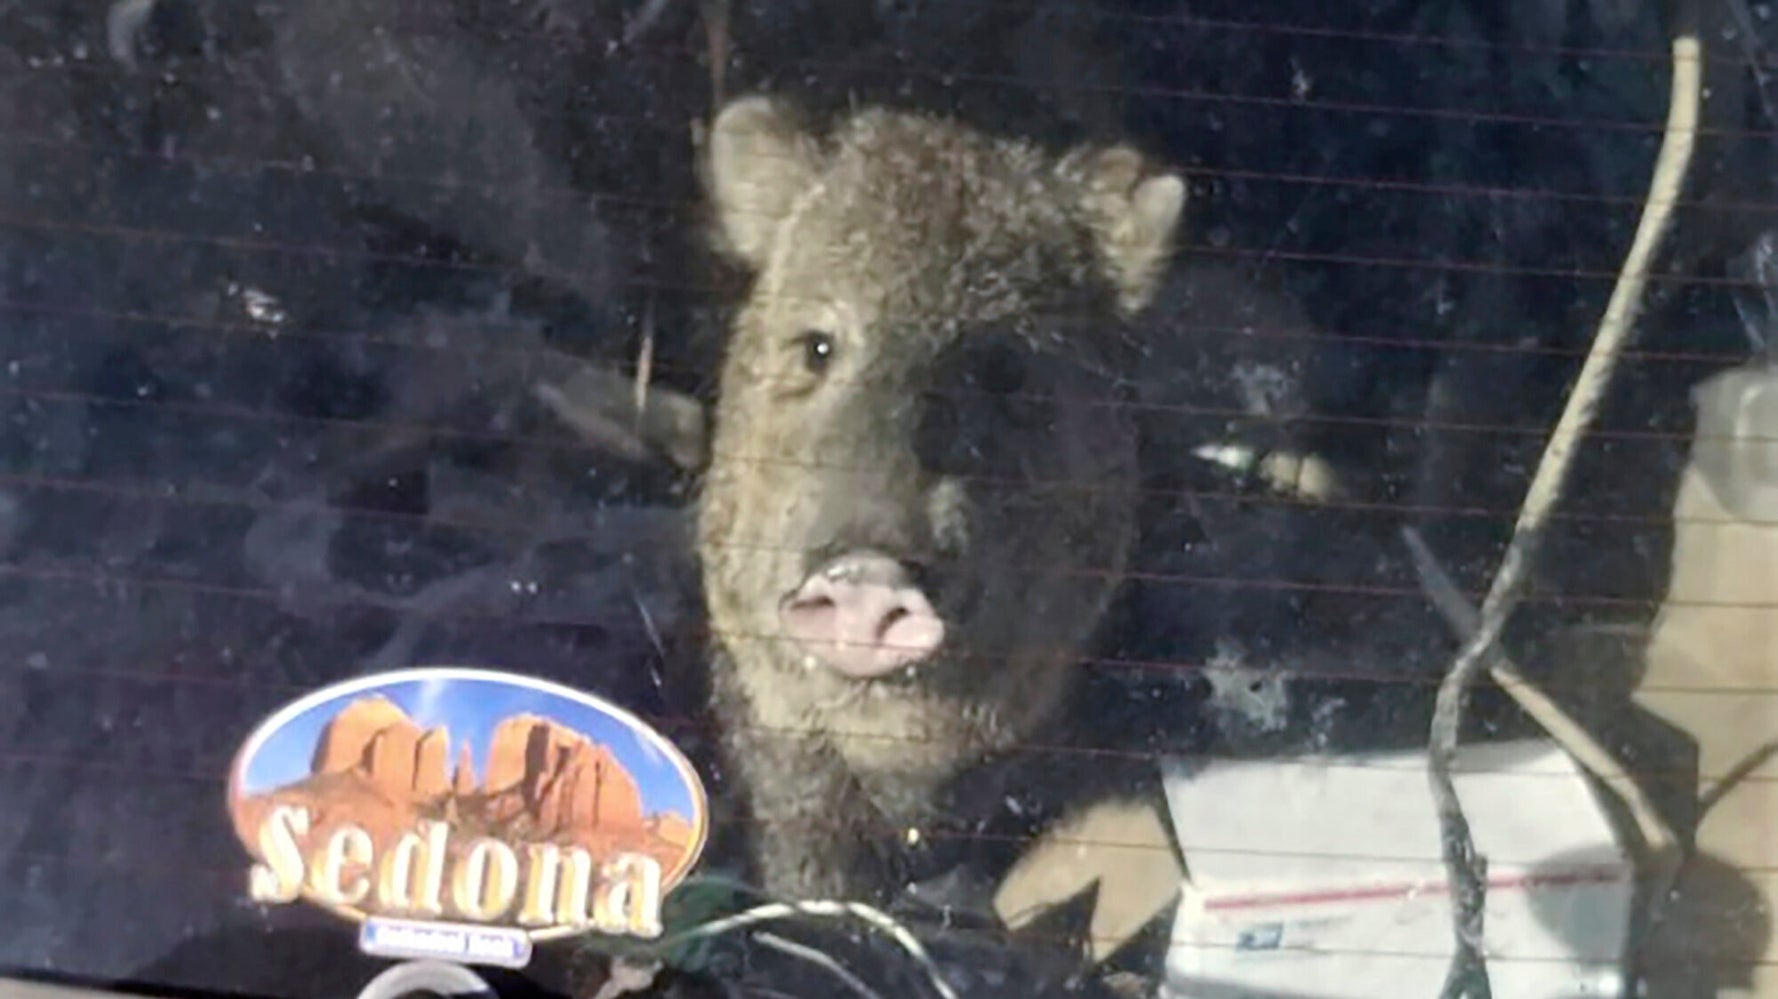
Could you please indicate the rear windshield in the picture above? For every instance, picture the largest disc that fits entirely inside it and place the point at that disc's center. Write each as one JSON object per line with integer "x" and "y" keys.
{"x": 1163, "y": 498}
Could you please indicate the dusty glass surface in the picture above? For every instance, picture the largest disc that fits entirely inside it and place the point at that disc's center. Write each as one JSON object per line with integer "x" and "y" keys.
{"x": 1036, "y": 460}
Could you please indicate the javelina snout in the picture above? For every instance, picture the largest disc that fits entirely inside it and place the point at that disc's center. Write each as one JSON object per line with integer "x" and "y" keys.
{"x": 863, "y": 615}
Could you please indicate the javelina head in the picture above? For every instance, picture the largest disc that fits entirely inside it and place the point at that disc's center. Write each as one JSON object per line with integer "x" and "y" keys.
{"x": 920, "y": 495}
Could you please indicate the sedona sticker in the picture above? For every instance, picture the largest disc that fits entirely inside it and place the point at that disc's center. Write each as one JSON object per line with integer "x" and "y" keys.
{"x": 463, "y": 814}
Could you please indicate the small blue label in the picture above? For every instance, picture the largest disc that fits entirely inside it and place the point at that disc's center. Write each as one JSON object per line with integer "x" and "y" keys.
{"x": 406, "y": 939}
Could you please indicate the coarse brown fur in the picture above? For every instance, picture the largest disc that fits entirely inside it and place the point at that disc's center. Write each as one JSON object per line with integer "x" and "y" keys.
{"x": 976, "y": 290}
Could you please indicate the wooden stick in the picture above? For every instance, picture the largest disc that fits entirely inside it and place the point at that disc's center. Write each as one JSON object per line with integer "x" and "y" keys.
{"x": 1466, "y": 871}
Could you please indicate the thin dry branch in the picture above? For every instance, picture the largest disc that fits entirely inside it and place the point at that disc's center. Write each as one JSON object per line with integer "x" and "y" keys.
{"x": 1659, "y": 844}
{"x": 1466, "y": 871}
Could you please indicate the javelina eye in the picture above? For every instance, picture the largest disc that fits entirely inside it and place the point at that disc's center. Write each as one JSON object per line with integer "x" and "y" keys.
{"x": 817, "y": 348}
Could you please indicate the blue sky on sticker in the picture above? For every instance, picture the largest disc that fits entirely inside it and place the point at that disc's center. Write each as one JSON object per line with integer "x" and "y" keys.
{"x": 470, "y": 707}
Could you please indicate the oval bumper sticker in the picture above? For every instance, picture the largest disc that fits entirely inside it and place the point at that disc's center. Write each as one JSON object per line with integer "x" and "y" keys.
{"x": 464, "y": 814}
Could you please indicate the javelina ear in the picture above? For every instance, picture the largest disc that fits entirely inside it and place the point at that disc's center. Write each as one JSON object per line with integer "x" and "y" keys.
{"x": 1134, "y": 214}
{"x": 758, "y": 161}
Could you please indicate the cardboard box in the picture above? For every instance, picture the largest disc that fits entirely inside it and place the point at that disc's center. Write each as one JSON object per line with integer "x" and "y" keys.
{"x": 1321, "y": 877}
{"x": 1712, "y": 670}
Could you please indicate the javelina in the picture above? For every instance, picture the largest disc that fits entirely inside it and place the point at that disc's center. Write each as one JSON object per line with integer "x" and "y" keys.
{"x": 920, "y": 497}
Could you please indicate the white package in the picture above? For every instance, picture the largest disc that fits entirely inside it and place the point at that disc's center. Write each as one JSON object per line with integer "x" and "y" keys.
{"x": 1321, "y": 878}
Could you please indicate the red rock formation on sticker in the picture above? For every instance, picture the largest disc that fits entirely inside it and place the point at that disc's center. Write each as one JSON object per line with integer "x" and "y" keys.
{"x": 391, "y": 754}
{"x": 599, "y": 792}
{"x": 377, "y": 739}
{"x": 432, "y": 763}
{"x": 346, "y": 737}
{"x": 562, "y": 778}
{"x": 671, "y": 827}
{"x": 463, "y": 781}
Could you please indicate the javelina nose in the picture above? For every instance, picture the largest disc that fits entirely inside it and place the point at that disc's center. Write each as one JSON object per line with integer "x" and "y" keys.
{"x": 862, "y": 616}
